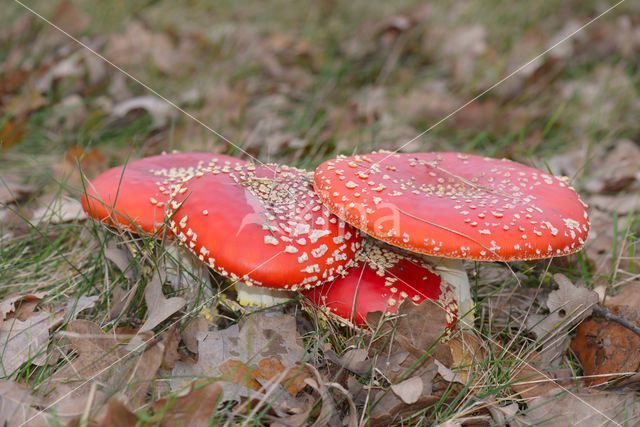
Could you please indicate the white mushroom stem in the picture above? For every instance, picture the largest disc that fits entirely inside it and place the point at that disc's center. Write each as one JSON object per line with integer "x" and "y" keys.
{"x": 257, "y": 296}
{"x": 452, "y": 271}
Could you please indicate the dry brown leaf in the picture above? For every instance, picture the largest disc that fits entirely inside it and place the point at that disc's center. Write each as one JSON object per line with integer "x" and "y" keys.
{"x": 84, "y": 302}
{"x": 18, "y": 406}
{"x": 99, "y": 356}
{"x": 58, "y": 210}
{"x": 11, "y": 187}
{"x": 530, "y": 382}
{"x": 195, "y": 409}
{"x": 606, "y": 347}
{"x": 468, "y": 354}
{"x": 160, "y": 111}
{"x": 604, "y": 178}
{"x": 144, "y": 372}
{"x": 70, "y": 18}
{"x": 416, "y": 328}
{"x": 389, "y": 409}
{"x": 270, "y": 368}
{"x": 587, "y": 408}
{"x": 409, "y": 390}
{"x": 171, "y": 341}
{"x": 115, "y": 414}
{"x": 122, "y": 258}
{"x": 568, "y": 306}
{"x": 354, "y": 360}
{"x": 11, "y": 133}
{"x": 159, "y": 308}
{"x": 26, "y": 341}
{"x": 191, "y": 331}
{"x": 238, "y": 372}
{"x": 329, "y": 415}
{"x": 138, "y": 45}
{"x": 12, "y": 302}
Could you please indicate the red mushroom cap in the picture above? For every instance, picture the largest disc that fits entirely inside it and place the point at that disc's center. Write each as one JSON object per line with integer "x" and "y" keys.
{"x": 263, "y": 225}
{"x": 130, "y": 195}
{"x": 455, "y": 205}
{"x": 382, "y": 278}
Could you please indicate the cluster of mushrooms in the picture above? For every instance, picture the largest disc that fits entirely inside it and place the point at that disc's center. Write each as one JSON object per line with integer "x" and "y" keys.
{"x": 360, "y": 234}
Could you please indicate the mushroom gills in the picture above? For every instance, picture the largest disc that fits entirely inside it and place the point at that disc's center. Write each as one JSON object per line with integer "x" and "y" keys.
{"x": 452, "y": 271}
{"x": 256, "y": 296}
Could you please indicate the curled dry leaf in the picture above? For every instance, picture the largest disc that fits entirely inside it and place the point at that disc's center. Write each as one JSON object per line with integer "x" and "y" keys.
{"x": 160, "y": 111}
{"x": 9, "y": 304}
{"x": 77, "y": 305}
{"x": 605, "y": 347}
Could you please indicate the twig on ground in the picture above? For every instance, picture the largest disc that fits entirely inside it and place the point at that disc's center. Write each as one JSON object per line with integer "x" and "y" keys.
{"x": 604, "y": 312}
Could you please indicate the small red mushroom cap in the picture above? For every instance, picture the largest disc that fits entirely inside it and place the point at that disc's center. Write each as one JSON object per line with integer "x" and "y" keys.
{"x": 455, "y": 205}
{"x": 132, "y": 195}
{"x": 381, "y": 280}
{"x": 263, "y": 225}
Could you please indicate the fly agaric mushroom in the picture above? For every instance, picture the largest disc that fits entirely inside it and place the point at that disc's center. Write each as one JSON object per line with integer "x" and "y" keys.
{"x": 381, "y": 280}
{"x": 262, "y": 226}
{"x": 130, "y": 196}
{"x": 456, "y": 206}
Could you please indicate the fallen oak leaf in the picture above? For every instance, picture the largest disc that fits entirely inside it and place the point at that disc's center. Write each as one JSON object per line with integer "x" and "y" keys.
{"x": 238, "y": 372}
{"x": 293, "y": 380}
{"x": 606, "y": 350}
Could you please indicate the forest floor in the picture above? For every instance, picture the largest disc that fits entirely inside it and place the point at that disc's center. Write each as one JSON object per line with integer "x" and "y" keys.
{"x": 87, "y": 85}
